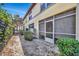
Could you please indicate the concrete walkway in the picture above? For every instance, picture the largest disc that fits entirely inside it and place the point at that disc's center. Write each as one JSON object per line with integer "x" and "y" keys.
{"x": 13, "y": 48}
{"x": 37, "y": 47}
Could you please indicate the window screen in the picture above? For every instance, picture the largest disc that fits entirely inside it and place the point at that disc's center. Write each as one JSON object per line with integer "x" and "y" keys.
{"x": 65, "y": 13}
{"x": 41, "y": 26}
{"x": 49, "y": 26}
{"x": 65, "y": 25}
{"x": 42, "y": 35}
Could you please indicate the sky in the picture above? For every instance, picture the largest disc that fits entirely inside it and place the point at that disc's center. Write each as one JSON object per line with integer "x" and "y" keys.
{"x": 17, "y": 8}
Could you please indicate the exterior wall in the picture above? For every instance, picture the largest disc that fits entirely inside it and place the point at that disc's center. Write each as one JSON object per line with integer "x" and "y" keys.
{"x": 27, "y": 18}
{"x": 51, "y": 11}
{"x": 55, "y": 9}
{"x": 26, "y": 22}
{"x": 35, "y": 10}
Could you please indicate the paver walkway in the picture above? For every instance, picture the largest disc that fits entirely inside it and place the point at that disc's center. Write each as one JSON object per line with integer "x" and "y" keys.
{"x": 13, "y": 48}
{"x": 37, "y": 48}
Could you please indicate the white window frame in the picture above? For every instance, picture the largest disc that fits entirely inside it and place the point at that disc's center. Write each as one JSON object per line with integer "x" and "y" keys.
{"x": 65, "y": 16}
{"x": 65, "y": 33}
{"x": 53, "y": 21}
{"x": 61, "y": 18}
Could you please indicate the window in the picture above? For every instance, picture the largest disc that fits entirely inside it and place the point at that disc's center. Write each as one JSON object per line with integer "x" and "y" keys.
{"x": 43, "y": 6}
{"x": 49, "y": 35}
{"x": 30, "y": 17}
{"x": 65, "y": 24}
{"x": 42, "y": 35}
{"x": 61, "y": 25}
{"x": 31, "y": 25}
{"x": 41, "y": 26}
{"x": 46, "y": 5}
{"x": 50, "y": 4}
{"x": 49, "y": 26}
{"x": 41, "y": 30}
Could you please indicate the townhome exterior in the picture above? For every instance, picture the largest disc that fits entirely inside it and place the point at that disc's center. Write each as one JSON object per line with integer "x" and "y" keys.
{"x": 53, "y": 20}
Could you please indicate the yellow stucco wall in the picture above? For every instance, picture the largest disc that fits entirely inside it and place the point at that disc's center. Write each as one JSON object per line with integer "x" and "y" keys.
{"x": 56, "y": 9}
{"x": 26, "y": 21}
{"x": 35, "y": 10}
{"x": 51, "y": 11}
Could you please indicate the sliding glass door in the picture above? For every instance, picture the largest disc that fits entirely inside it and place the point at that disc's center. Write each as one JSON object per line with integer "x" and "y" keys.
{"x": 61, "y": 25}
{"x": 46, "y": 30}
{"x": 49, "y": 31}
{"x": 42, "y": 30}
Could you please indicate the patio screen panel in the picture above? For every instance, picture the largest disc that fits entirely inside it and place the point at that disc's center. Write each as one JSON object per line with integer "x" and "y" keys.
{"x": 65, "y": 24}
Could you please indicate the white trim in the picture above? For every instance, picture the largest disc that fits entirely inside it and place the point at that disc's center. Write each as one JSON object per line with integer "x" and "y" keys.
{"x": 65, "y": 34}
{"x": 41, "y": 31}
{"x": 50, "y": 32}
{"x": 65, "y": 16}
{"x": 46, "y": 38}
{"x": 45, "y": 28}
{"x": 53, "y": 29}
{"x": 47, "y": 32}
{"x": 41, "y": 22}
{"x": 49, "y": 20}
{"x": 53, "y": 23}
{"x": 77, "y": 22}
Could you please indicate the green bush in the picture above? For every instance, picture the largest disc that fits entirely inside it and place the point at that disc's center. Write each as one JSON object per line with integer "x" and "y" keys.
{"x": 7, "y": 19}
{"x": 68, "y": 46}
{"x": 28, "y": 35}
{"x": 21, "y": 32}
{"x": 8, "y": 32}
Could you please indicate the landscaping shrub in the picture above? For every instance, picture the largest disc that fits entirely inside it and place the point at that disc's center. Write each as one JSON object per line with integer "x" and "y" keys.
{"x": 68, "y": 46}
{"x": 8, "y": 32}
{"x": 21, "y": 32}
{"x": 6, "y": 29}
{"x": 27, "y": 29}
{"x": 28, "y": 35}
{"x": 7, "y": 19}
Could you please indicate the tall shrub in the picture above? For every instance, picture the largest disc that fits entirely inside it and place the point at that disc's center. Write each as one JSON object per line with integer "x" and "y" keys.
{"x": 7, "y": 19}
{"x": 68, "y": 46}
{"x": 28, "y": 35}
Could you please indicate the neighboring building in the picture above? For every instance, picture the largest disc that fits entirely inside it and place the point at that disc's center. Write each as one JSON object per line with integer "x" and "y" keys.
{"x": 19, "y": 24}
{"x": 53, "y": 20}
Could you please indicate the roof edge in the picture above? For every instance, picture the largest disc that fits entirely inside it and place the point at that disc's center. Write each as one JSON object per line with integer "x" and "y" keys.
{"x": 33, "y": 4}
